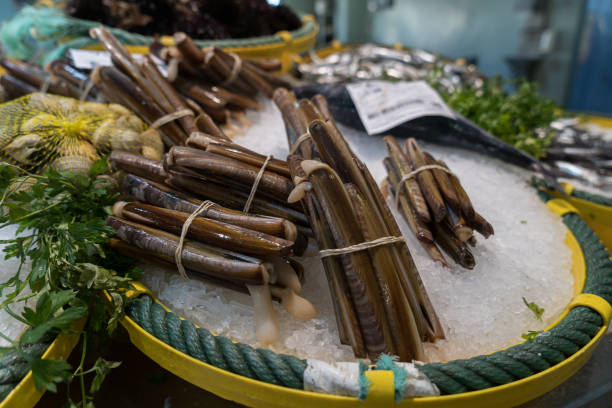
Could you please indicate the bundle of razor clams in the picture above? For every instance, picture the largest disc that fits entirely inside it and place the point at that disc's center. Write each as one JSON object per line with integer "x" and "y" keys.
{"x": 433, "y": 202}
{"x": 243, "y": 251}
{"x": 380, "y": 302}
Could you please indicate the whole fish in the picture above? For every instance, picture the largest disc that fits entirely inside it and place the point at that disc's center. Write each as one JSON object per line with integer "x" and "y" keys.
{"x": 458, "y": 132}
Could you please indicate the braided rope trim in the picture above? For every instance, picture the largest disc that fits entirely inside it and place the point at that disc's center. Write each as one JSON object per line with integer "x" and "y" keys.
{"x": 577, "y": 329}
{"x": 13, "y": 367}
{"x": 594, "y": 198}
{"x": 239, "y": 358}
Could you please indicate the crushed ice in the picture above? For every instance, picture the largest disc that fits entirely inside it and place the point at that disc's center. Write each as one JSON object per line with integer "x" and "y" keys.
{"x": 482, "y": 310}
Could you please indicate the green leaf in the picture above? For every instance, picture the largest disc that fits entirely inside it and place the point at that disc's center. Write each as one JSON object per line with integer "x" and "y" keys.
{"x": 102, "y": 368}
{"x": 98, "y": 167}
{"x": 530, "y": 335}
{"x": 63, "y": 321}
{"x": 537, "y": 310}
{"x": 46, "y": 373}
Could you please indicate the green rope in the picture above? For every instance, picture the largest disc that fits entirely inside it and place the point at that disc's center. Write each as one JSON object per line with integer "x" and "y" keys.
{"x": 477, "y": 373}
{"x": 239, "y": 358}
{"x": 547, "y": 349}
{"x": 13, "y": 367}
{"x": 594, "y": 198}
{"x": 580, "y": 194}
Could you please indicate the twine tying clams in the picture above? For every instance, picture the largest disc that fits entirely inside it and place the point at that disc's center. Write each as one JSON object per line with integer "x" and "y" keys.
{"x": 299, "y": 141}
{"x": 236, "y": 67}
{"x": 44, "y": 87}
{"x": 413, "y": 173}
{"x": 249, "y": 201}
{"x": 178, "y": 254}
{"x": 170, "y": 117}
{"x": 86, "y": 90}
{"x": 361, "y": 246}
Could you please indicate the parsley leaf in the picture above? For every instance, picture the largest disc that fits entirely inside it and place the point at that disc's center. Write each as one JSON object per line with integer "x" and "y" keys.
{"x": 537, "y": 310}
{"x": 531, "y": 335}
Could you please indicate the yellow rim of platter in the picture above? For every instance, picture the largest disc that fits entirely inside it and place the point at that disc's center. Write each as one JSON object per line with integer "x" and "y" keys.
{"x": 381, "y": 392}
{"x": 285, "y": 50}
{"x": 25, "y": 394}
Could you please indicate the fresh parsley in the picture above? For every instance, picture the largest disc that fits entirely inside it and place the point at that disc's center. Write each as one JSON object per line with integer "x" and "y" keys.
{"x": 61, "y": 230}
{"x": 521, "y": 118}
{"x": 531, "y": 335}
{"x": 537, "y": 310}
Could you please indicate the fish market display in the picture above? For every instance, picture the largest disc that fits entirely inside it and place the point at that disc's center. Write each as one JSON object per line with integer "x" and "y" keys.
{"x": 202, "y": 19}
{"x": 456, "y": 132}
{"x": 239, "y": 250}
{"x": 433, "y": 203}
{"x": 371, "y": 61}
{"x": 483, "y": 107}
{"x": 203, "y": 88}
{"x": 380, "y": 303}
{"x": 40, "y": 131}
{"x": 585, "y": 155}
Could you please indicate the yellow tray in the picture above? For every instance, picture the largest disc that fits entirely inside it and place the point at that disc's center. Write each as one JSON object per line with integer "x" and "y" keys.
{"x": 599, "y": 217}
{"x": 381, "y": 393}
{"x": 25, "y": 394}
{"x": 284, "y": 50}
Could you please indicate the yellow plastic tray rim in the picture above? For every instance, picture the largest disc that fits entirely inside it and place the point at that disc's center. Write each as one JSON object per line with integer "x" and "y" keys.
{"x": 259, "y": 394}
{"x": 25, "y": 393}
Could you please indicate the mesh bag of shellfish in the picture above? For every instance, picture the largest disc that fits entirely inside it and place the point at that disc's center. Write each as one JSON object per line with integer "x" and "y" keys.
{"x": 41, "y": 131}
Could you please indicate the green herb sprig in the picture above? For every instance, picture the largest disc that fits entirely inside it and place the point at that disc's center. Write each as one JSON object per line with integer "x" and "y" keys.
{"x": 61, "y": 230}
{"x": 512, "y": 117}
{"x": 537, "y": 310}
{"x": 531, "y": 335}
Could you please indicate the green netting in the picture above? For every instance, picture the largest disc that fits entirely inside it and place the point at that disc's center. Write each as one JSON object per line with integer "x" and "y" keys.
{"x": 39, "y": 130}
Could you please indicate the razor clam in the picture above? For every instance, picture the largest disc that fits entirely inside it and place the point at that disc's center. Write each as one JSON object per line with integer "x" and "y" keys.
{"x": 199, "y": 94}
{"x": 163, "y": 196}
{"x": 234, "y": 199}
{"x": 336, "y": 206}
{"x": 402, "y": 166}
{"x": 15, "y": 87}
{"x": 210, "y": 163}
{"x": 346, "y": 319}
{"x": 335, "y": 150}
{"x": 426, "y": 181}
{"x": 290, "y": 300}
{"x": 420, "y": 229}
{"x": 444, "y": 183}
{"x": 453, "y": 246}
{"x": 411, "y": 219}
{"x": 465, "y": 204}
{"x": 402, "y": 322}
{"x": 481, "y": 225}
{"x": 118, "y": 87}
{"x": 458, "y": 225}
{"x": 138, "y": 165}
{"x": 249, "y": 157}
{"x": 203, "y": 258}
{"x": 205, "y": 230}
{"x": 168, "y": 93}
{"x": 38, "y": 78}
{"x": 237, "y": 100}
{"x": 390, "y": 261}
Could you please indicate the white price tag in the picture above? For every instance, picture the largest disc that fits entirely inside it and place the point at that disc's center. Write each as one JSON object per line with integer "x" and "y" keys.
{"x": 89, "y": 59}
{"x": 382, "y": 105}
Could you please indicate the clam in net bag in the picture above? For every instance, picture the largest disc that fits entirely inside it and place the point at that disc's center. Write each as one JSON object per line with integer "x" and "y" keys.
{"x": 41, "y": 131}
